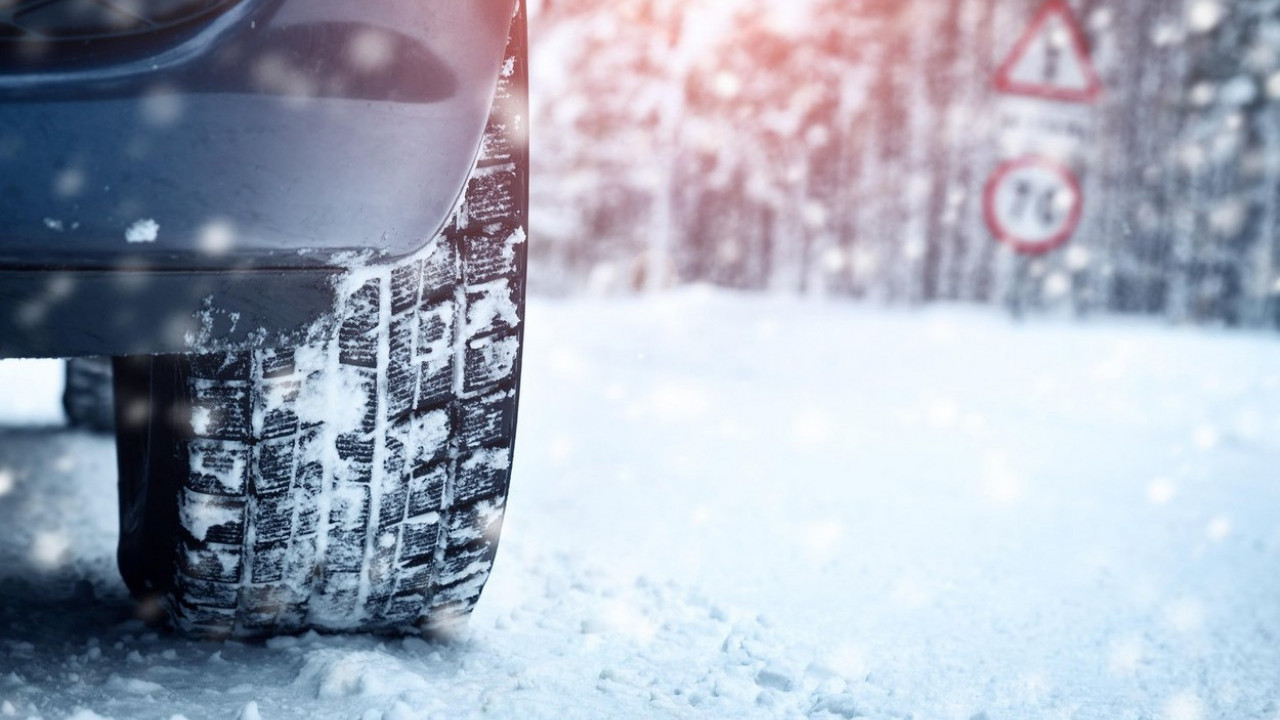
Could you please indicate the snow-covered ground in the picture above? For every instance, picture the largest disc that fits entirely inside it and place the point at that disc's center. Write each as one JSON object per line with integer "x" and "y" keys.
{"x": 744, "y": 506}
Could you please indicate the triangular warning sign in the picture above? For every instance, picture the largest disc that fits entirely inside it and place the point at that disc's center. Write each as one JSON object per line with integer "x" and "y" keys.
{"x": 1051, "y": 60}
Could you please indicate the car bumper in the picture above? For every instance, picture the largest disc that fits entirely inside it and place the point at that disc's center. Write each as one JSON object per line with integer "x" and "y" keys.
{"x": 256, "y": 157}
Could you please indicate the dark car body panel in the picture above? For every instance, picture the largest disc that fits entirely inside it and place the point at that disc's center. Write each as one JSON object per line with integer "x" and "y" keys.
{"x": 70, "y": 313}
{"x": 266, "y": 146}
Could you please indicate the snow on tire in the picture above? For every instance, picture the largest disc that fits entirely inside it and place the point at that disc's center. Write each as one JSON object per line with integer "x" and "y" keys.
{"x": 356, "y": 481}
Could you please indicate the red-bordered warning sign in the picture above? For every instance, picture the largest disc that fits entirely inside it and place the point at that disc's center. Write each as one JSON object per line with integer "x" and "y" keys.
{"x": 1033, "y": 204}
{"x": 1051, "y": 60}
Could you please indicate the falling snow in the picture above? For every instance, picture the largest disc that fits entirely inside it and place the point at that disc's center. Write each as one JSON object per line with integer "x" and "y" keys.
{"x": 143, "y": 231}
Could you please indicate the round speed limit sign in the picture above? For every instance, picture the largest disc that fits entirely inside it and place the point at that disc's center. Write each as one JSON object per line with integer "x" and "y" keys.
{"x": 1034, "y": 204}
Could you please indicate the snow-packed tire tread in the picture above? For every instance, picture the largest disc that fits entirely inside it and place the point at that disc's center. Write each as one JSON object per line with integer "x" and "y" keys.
{"x": 390, "y": 521}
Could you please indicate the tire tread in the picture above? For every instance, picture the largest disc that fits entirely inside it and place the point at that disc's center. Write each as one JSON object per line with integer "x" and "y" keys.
{"x": 390, "y": 522}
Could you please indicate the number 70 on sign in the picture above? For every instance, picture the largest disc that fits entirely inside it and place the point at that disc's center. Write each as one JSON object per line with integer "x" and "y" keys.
{"x": 1033, "y": 204}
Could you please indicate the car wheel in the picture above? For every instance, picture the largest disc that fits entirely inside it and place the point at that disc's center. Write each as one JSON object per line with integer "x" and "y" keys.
{"x": 86, "y": 395}
{"x": 356, "y": 480}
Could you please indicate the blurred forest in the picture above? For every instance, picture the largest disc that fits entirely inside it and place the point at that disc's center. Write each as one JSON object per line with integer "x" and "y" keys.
{"x": 842, "y": 146}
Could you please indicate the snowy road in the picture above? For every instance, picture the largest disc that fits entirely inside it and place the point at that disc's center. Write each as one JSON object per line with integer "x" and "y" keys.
{"x": 730, "y": 506}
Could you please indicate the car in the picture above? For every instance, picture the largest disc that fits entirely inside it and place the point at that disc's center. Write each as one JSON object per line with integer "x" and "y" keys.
{"x": 297, "y": 228}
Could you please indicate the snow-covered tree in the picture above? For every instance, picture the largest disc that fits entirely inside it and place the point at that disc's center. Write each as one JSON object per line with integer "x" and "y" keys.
{"x": 843, "y": 146}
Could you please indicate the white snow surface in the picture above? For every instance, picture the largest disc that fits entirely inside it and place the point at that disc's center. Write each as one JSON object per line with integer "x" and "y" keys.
{"x": 746, "y": 506}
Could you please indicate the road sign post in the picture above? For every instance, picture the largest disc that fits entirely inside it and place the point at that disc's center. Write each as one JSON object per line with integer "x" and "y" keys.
{"x": 1033, "y": 201}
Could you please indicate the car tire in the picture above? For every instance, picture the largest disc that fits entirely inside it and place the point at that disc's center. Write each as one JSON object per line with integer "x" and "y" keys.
{"x": 357, "y": 480}
{"x": 86, "y": 394}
